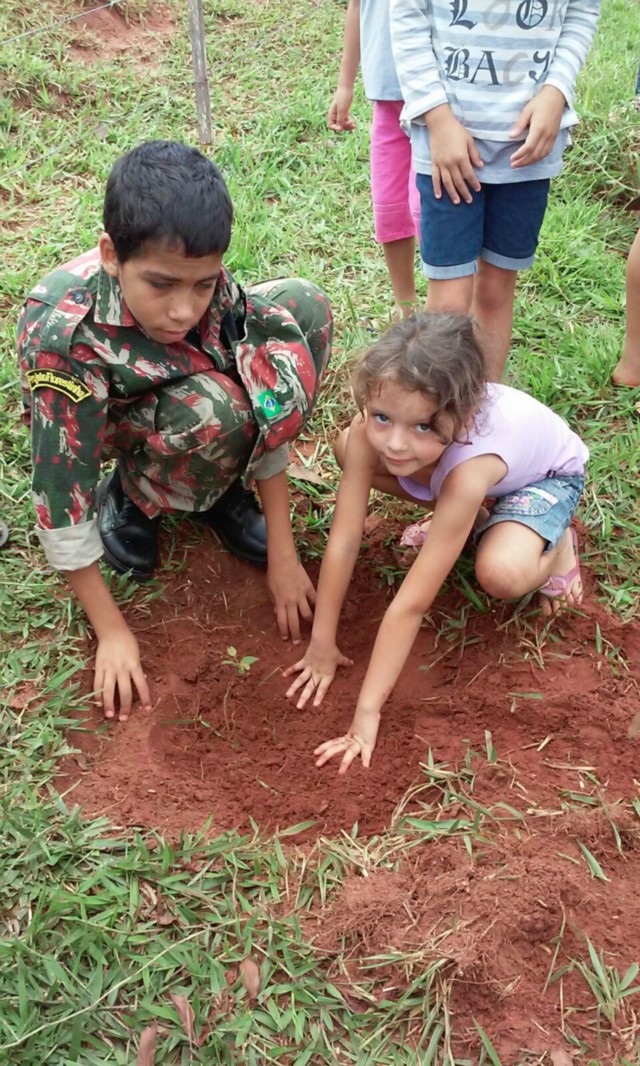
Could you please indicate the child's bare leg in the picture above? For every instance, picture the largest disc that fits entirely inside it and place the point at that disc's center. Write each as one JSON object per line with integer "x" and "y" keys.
{"x": 450, "y": 294}
{"x": 400, "y": 258}
{"x": 511, "y": 561}
{"x": 627, "y": 371}
{"x": 492, "y": 309}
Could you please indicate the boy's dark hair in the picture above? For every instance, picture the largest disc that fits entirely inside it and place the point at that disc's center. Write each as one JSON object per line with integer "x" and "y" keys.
{"x": 435, "y": 354}
{"x": 166, "y": 192}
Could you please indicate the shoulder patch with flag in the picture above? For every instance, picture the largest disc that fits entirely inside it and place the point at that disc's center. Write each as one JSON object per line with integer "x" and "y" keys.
{"x": 269, "y": 404}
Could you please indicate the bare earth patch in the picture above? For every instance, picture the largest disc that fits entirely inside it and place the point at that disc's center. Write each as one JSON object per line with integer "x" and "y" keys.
{"x": 511, "y": 714}
{"x": 106, "y": 35}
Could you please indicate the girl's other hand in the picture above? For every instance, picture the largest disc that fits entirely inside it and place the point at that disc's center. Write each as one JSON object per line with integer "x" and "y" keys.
{"x": 338, "y": 118}
{"x": 360, "y": 740}
{"x": 315, "y": 671}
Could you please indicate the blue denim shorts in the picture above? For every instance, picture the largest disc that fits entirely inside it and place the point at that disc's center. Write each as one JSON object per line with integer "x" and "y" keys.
{"x": 546, "y": 507}
{"x": 501, "y": 225}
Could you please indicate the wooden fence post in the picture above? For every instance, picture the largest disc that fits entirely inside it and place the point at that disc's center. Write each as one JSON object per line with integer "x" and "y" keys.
{"x": 200, "y": 79}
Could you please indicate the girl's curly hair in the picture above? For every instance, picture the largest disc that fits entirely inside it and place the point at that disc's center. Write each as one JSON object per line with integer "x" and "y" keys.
{"x": 432, "y": 353}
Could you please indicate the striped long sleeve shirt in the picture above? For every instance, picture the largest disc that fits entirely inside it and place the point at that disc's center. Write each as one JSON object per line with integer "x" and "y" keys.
{"x": 487, "y": 59}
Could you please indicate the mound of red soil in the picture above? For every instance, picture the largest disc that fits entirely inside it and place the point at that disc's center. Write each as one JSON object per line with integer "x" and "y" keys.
{"x": 103, "y": 35}
{"x": 536, "y": 725}
{"x": 227, "y": 745}
{"x": 503, "y": 930}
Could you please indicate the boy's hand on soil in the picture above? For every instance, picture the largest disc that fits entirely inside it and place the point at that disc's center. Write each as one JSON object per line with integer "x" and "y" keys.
{"x": 454, "y": 154}
{"x": 316, "y": 670}
{"x": 118, "y": 666}
{"x": 360, "y": 740}
{"x": 338, "y": 117}
{"x": 542, "y": 117}
{"x": 293, "y": 596}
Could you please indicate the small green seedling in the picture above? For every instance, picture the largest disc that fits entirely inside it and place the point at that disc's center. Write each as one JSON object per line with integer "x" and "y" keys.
{"x": 242, "y": 665}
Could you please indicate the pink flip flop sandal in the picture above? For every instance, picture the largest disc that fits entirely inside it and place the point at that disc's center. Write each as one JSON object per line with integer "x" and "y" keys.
{"x": 415, "y": 535}
{"x": 557, "y": 585}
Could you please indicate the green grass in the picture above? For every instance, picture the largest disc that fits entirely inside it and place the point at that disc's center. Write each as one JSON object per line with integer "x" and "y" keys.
{"x": 101, "y": 928}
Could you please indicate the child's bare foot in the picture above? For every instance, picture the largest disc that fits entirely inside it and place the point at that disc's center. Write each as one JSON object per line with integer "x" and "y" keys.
{"x": 627, "y": 371}
{"x": 563, "y": 589}
{"x": 406, "y": 309}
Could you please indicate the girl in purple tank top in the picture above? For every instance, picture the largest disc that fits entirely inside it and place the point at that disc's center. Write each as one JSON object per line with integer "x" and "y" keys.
{"x": 431, "y": 428}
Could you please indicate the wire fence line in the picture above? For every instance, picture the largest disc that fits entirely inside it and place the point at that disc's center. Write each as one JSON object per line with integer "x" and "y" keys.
{"x": 68, "y": 142}
{"x": 60, "y": 22}
{"x": 101, "y": 129}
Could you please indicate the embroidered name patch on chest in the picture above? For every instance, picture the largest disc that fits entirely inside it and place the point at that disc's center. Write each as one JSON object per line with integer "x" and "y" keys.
{"x": 60, "y": 381}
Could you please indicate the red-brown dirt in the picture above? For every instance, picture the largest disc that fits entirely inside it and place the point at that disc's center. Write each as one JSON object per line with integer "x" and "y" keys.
{"x": 109, "y": 34}
{"x": 231, "y": 748}
{"x": 562, "y": 715}
{"x": 562, "y": 719}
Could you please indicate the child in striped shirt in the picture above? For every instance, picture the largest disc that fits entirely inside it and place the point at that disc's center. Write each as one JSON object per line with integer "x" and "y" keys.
{"x": 488, "y": 90}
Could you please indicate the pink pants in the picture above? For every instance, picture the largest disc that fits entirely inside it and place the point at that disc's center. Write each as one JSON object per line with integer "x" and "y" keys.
{"x": 396, "y": 201}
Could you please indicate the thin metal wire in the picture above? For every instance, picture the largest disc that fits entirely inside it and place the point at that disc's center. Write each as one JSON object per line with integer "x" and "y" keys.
{"x": 61, "y": 22}
{"x": 102, "y": 127}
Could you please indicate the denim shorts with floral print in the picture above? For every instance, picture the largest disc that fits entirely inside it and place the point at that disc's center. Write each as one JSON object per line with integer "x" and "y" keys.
{"x": 547, "y": 507}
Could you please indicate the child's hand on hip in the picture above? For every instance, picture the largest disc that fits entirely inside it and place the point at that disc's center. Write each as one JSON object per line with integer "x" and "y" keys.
{"x": 454, "y": 154}
{"x": 118, "y": 667}
{"x": 293, "y": 596}
{"x": 542, "y": 117}
{"x": 316, "y": 670}
{"x": 360, "y": 740}
{"x": 338, "y": 117}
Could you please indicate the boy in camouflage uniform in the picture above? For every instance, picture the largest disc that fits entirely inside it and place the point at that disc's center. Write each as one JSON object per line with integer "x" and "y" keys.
{"x": 145, "y": 349}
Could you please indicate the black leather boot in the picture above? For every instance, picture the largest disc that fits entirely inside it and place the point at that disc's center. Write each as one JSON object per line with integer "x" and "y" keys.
{"x": 129, "y": 538}
{"x": 239, "y": 523}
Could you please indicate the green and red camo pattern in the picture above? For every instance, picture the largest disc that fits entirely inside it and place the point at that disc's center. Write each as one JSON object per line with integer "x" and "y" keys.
{"x": 184, "y": 420}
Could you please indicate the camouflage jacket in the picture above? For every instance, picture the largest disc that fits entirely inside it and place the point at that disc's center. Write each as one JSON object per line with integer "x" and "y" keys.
{"x": 83, "y": 359}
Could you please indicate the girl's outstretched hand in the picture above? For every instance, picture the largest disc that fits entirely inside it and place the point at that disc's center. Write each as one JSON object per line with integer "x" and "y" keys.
{"x": 315, "y": 671}
{"x": 360, "y": 740}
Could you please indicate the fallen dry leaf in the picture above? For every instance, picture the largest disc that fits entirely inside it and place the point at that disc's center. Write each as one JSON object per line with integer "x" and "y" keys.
{"x": 634, "y": 727}
{"x": 22, "y": 697}
{"x": 147, "y": 1047}
{"x": 185, "y": 1011}
{"x": 307, "y": 473}
{"x": 250, "y": 974}
{"x": 560, "y": 1058}
{"x": 162, "y": 917}
{"x": 203, "y": 1034}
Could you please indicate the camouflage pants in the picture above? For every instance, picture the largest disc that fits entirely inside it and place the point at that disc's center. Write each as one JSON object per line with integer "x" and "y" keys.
{"x": 180, "y": 447}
